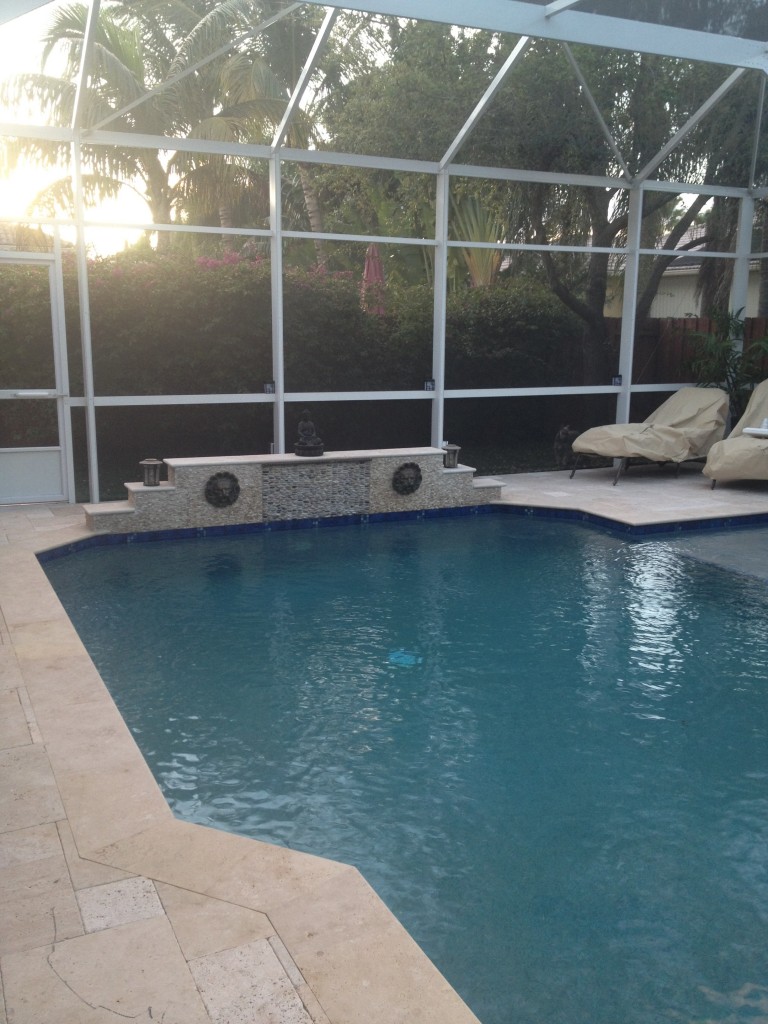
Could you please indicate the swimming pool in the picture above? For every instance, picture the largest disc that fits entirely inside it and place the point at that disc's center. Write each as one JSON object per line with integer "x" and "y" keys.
{"x": 544, "y": 746}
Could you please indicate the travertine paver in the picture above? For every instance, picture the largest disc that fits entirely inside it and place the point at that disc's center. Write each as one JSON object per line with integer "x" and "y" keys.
{"x": 28, "y": 794}
{"x": 38, "y": 901}
{"x": 116, "y": 903}
{"x": 644, "y": 495}
{"x": 135, "y": 972}
{"x": 205, "y": 925}
{"x": 14, "y": 729}
{"x": 248, "y": 984}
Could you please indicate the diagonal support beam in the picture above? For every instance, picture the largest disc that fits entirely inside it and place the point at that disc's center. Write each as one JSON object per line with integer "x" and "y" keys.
{"x": 91, "y": 24}
{"x": 306, "y": 74}
{"x": 559, "y": 5}
{"x": 195, "y": 67}
{"x": 691, "y": 123}
{"x": 471, "y": 123}
{"x": 758, "y": 133}
{"x": 596, "y": 111}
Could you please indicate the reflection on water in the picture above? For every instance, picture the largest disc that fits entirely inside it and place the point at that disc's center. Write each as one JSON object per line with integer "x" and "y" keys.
{"x": 559, "y": 784}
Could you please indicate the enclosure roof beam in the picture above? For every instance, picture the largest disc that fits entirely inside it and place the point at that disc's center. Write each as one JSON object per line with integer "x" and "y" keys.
{"x": 12, "y": 9}
{"x": 758, "y": 133}
{"x": 306, "y": 74}
{"x": 331, "y": 158}
{"x": 559, "y": 5}
{"x": 91, "y": 24}
{"x": 596, "y": 110}
{"x": 471, "y": 123}
{"x": 691, "y": 123}
{"x": 530, "y": 19}
{"x": 51, "y": 133}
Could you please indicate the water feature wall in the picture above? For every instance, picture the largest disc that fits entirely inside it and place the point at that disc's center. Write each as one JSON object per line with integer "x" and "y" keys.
{"x": 242, "y": 489}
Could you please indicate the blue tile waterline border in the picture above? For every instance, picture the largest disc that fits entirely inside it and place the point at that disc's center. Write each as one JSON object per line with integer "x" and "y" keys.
{"x": 625, "y": 530}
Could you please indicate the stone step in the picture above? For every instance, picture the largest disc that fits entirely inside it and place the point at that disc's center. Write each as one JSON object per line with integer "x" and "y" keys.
{"x": 489, "y": 485}
{"x": 108, "y": 508}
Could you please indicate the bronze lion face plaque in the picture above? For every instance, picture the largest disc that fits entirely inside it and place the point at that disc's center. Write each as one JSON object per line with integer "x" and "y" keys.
{"x": 222, "y": 489}
{"x": 407, "y": 478}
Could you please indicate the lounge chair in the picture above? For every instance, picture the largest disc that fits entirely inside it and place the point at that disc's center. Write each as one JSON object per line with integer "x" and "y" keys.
{"x": 682, "y": 428}
{"x": 742, "y": 456}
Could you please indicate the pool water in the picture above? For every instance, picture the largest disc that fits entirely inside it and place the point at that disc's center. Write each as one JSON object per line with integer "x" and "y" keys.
{"x": 545, "y": 747}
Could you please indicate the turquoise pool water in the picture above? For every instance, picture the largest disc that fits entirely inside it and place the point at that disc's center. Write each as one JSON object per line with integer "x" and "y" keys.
{"x": 546, "y": 748}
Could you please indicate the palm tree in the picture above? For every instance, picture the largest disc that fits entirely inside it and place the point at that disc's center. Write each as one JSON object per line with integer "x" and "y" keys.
{"x": 150, "y": 74}
{"x": 476, "y": 224}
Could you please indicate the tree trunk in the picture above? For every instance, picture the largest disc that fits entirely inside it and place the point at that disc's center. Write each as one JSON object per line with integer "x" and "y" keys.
{"x": 158, "y": 196}
{"x": 660, "y": 263}
{"x": 313, "y": 213}
{"x": 226, "y": 220}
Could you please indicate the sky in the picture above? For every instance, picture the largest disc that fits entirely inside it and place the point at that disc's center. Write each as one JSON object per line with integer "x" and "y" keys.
{"x": 19, "y": 54}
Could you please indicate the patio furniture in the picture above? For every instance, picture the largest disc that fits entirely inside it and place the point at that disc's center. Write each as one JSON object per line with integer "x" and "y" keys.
{"x": 683, "y": 428}
{"x": 743, "y": 455}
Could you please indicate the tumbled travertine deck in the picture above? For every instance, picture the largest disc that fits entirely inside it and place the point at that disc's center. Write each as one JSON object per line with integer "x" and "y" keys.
{"x": 111, "y": 909}
{"x": 644, "y": 495}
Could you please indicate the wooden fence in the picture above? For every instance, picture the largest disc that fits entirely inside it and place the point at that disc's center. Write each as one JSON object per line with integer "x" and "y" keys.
{"x": 665, "y": 349}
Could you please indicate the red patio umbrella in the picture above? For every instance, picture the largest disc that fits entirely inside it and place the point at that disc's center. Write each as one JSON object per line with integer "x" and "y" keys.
{"x": 372, "y": 287}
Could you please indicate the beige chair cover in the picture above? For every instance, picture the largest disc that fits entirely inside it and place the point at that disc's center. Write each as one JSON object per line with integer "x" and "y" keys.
{"x": 684, "y": 427}
{"x": 739, "y": 456}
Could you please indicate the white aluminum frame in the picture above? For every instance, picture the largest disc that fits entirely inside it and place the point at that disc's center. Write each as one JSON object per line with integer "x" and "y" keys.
{"x": 559, "y": 20}
{"x": 56, "y": 479}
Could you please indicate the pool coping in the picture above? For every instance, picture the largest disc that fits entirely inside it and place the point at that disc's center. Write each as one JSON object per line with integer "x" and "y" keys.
{"x": 530, "y": 511}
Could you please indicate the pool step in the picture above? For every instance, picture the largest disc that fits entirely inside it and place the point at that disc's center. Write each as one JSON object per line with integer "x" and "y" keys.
{"x": 489, "y": 485}
{"x": 119, "y": 516}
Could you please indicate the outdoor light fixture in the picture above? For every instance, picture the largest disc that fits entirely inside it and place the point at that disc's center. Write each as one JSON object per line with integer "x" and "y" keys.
{"x": 269, "y": 387}
{"x": 451, "y": 455}
{"x": 429, "y": 384}
{"x": 616, "y": 381}
{"x": 151, "y": 468}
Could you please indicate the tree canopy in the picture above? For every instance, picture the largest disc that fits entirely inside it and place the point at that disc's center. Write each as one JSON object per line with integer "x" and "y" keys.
{"x": 405, "y": 89}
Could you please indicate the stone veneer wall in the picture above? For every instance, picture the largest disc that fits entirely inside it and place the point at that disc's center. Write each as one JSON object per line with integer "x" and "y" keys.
{"x": 316, "y": 490}
{"x": 277, "y": 488}
{"x": 440, "y": 488}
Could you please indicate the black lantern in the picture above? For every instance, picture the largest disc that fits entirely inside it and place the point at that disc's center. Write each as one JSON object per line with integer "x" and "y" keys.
{"x": 451, "y": 456}
{"x": 151, "y": 468}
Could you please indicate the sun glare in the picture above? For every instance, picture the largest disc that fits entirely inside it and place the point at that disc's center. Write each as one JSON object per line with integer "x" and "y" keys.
{"x": 20, "y": 48}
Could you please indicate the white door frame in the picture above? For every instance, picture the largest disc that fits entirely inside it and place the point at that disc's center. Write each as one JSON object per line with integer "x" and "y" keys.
{"x": 30, "y": 474}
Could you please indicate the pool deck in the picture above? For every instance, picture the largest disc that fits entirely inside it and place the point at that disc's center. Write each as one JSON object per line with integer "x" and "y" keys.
{"x": 112, "y": 909}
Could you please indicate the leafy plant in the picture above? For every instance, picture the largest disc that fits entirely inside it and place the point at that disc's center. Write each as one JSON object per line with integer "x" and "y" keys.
{"x": 723, "y": 360}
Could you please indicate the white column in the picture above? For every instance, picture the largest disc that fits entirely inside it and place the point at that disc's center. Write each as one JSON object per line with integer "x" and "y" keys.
{"x": 629, "y": 304}
{"x": 63, "y": 402}
{"x": 85, "y": 326}
{"x": 440, "y": 303}
{"x": 276, "y": 254}
{"x": 740, "y": 283}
